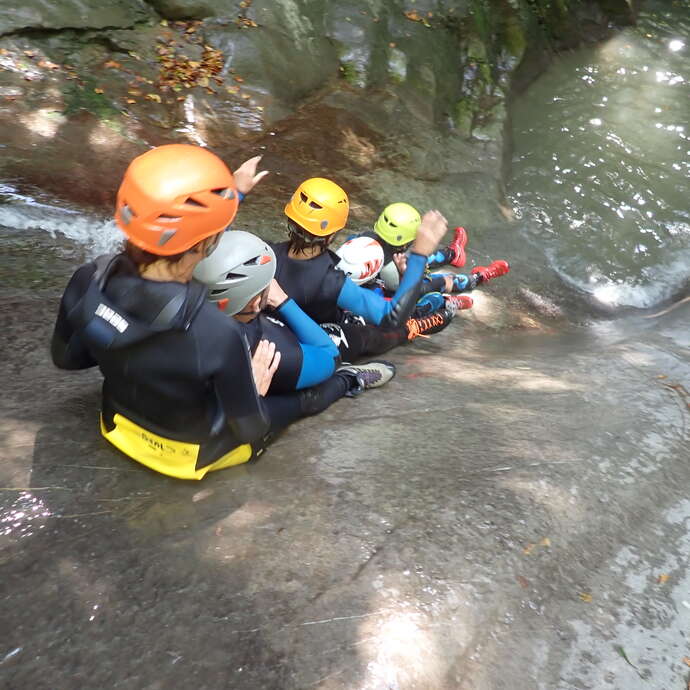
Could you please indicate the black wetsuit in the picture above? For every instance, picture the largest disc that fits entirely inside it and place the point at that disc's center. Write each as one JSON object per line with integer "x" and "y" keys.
{"x": 330, "y": 297}
{"x": 172, "y": 362}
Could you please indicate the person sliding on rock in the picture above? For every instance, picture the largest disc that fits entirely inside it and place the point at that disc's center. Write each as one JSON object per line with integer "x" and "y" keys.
{"x": 396, "y": 229}
{"x": 239, "y": 277}
{"x": 182, "y": 394}
{"x": 306, "y": 269}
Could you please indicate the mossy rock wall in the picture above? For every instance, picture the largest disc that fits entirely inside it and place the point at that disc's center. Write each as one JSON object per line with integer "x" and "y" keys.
{"x": 421, "y": 88}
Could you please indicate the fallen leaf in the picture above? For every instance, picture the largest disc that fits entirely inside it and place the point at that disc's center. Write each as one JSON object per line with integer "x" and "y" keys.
{"x": 413, "y": 16}
{"x": 29, "y": 53}
{"x": 528, "y": 549}
{"x": 112, "y": 64}
{"x": 130, "y": 100}
{"x": 391, "y": 45}
{"x": 47, "y": 64}
{"x": 662, "y": 376}
{"x": 163, "y": 22}
{"x": 522, "y": 581}
{"x": 686, "y": 660}
{"x": 238, "y": 79}
{"x": 545, "y": 542}
{"x": 245, "y": 95}
{"x": 662, "y": 579}
{"x": 4, "y": 51}
{"x": 586, "y": 597}
{"x": 134, "y": 92}
{"x": 232, "y": 89}
{"x": 153, "y": 97}
{"x": 98, "y": 90}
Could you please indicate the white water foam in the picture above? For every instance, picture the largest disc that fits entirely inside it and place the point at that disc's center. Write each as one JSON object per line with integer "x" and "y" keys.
{"x": 97, "y": 234}
{"x": 659, "y": 284}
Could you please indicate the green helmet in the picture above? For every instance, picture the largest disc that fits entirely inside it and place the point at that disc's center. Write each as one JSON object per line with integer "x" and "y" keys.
{"x": 398, "y": 224}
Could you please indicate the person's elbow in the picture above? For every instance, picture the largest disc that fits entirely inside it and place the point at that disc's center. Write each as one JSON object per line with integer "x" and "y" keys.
{"x": 251, "y": 428}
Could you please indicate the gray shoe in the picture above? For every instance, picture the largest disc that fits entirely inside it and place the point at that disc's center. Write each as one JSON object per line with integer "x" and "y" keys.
{"x": 365, "y": 376}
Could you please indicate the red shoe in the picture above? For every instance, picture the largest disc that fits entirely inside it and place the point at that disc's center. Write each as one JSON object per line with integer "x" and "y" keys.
{"x": 497, "y": 268}
{"x": 459, "y": 301}
{"x": 458, "y": 246}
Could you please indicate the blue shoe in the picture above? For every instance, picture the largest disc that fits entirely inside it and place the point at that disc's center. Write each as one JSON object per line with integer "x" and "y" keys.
{"x": 460, "y": 282}
{"x": 429, "y": 303}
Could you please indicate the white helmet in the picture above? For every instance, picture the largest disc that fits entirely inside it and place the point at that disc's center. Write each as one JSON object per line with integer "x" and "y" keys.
{"x": 240, "y": 267}
{"x": 361, "y": 258}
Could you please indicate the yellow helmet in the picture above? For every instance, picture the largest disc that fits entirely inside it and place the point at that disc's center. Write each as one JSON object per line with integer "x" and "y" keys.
{"x": 319, "y": 206}
{"x": 398, "y": 224}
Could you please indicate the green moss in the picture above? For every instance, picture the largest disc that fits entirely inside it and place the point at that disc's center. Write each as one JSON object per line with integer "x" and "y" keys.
{"x": 514, "y": 37}
{"x": 84, "y": 97}
{"x": 464, "y": 116}
{"x": 349, "y": 72}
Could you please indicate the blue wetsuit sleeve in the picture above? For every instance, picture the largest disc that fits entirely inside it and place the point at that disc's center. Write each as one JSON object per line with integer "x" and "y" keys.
{"x": 319, "y": 352}
{"x": 374, "y": 308}
{"x": 318, "y": 364}
{"x": 308, "y": 332}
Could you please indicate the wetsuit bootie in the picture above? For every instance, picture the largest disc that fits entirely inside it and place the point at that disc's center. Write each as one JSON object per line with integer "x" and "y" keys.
{"x": 429, "y": 303}
{"x": 425, "y": 326}
{"x": 493, "y": 270}
{"x": 365, "y": 376}
{"x": 461, "y": 282}
{"x": 460, "y": 301}
{"x": 458, "y": 247}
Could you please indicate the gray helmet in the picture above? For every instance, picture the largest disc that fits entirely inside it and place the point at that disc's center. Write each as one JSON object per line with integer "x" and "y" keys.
{"x": 241, "y": 266}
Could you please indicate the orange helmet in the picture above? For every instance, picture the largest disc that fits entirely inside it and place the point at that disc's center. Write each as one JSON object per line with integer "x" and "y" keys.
{"x": 174, "y": 196}
{"x": 319, "y": 206}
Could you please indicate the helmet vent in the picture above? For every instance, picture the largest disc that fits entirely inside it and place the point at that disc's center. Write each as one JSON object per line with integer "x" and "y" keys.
{"x": 126, "y": 214}
{"x": 313, "y": 204}
{"x": 168, "y": 219}
{"x": 166, "y": 235}
{"x": 304, "y": 197}
{"x": 233, "y": 276}
{"x": 193, "y": 202}
{"x": 217, "y": 291}
{"x": 224, "y": 192}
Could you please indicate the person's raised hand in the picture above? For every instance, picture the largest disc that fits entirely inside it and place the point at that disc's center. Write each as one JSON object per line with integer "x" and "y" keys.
{"x": 434, "y": 226}
{"x": 276, "y": 294}
{"x": 265, "y": 361}
{"x": 246, "y": 177}
{"x": 400, "y": 261}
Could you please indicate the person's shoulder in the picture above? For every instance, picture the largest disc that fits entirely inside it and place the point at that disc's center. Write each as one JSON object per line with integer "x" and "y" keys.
{"x": 215, "y": 326}
{"x": 329, "y": 256}
{"x": 280, "y": 248}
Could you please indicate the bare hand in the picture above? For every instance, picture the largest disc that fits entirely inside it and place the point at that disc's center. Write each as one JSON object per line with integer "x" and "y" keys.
{"x": 246, "y": 177}
{"x": 276, "y": 294}
{"x": 434, "y": 226}
{"x": 450, "y": 280}
{"x": 265, "y": 362}
{"x": 400, "y": 261}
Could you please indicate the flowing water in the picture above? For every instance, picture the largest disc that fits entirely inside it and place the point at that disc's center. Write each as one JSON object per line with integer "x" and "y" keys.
{"x": 602, "y": 157}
